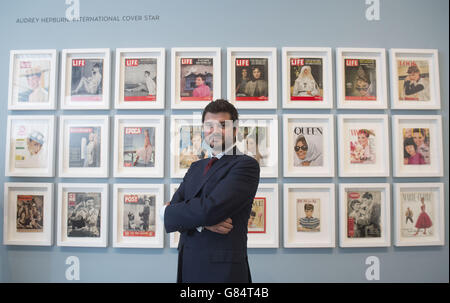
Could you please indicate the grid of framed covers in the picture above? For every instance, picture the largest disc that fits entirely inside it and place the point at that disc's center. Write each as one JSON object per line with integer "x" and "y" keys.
{"x": 313, "y": 145}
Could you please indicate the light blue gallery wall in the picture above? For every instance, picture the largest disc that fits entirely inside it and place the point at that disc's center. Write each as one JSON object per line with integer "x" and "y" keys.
{"x": 268, "y": 23}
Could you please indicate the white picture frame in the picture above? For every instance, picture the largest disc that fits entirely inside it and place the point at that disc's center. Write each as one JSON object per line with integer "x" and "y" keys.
{"x": 150, "y": 161}
{"x": 82, "y": 235}
{"x": 320, "y": 153}
{"x": 30, "y": 146}
{"x": 32, "y": 79}
{"x": 427, "y": 63}
{"x": 140, "y": 68}
{"x": 265, "y": 60}
{"x": 184, "y": 132}
{"x": 135, "y": 235}
{"x": 320, "y": 94}
{"x": 186, "y": 63}
{"x": 83, "y": 146}
{"x": 363, "y": 157}
{"x": 407, "y": 195}
{"x": 39, "y": 230}
{"x": 312, "y": 234}
{"x": 265, "y": 234}
{"x": 174, "y": 237}
{"x": 355, "y": 83}
{"x": 426, "y": 130}
{"x": 266, "y": 150}
{"x": 85, "y": 78}
{"x": 376, "y": 219}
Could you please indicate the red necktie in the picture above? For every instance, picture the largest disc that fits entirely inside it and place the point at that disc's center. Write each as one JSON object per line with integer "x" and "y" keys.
{"x": 210, "y": 163}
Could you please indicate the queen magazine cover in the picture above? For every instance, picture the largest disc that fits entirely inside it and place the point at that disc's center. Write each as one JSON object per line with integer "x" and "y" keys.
{"x": 308, "y": 146}
{"x": 364, "y": 214}
{"x": 30, "y": 213}
{"x": 360, "y": 79}
{"x": 83, "y": 214}
{"x": 139, "y": 215}
{"x": 196, "y": 79}
{"x": 87, "y": 80}
{"x": 140, "y": 79}
{"x": 306, "y": 79}
{"x": 251, "y": 78}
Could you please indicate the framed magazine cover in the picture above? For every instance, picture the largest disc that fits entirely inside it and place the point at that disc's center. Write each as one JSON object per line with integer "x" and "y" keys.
{"x": 263, "y": 222}
{"x": 136, "y": 221}
{"x": 309, "y": 215}
{"x": 187, "y": 143}
{"x": 139, "y": 146}
{"x": 363, "y": 142}
{"x": 82, "y": 214}
{"x": 85, "y": 78}
{"x": 140, "y": 78}
{"x": 252, "y": 77}
{"x": 174, "y": 237}
{"x": 308, "y": 142}
{"x": 257, "y": 137}
{"x": 28, "y": 214}
{"x": 83, "y": 146}
{"x": 361, "y": 78}
{"x": 418, "y": 150}
{"x": 414, "y": 79}
{"x": 30, "y": 146}
{"x": 419, "y": 214}
{"x": 32, "y": 79}
{"x": 307, "y": 77}
{"x": 196, "y": 77}
{"x": 364, "y": 215}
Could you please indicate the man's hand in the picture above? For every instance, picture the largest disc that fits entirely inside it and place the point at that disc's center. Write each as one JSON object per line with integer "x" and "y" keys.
{"x": 223, "y": 227}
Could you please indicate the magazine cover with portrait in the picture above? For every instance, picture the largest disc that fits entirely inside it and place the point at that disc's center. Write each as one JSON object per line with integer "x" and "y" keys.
{"x": 196, "y": 79}
{"x": 140, "y": 79}
{"x": 192, "y": 146}
{"x": 257, "y": 219}
{"x": 362, "y": 146}
{"x": 31, "y": 80}
{"x": 139, "y": 147}
{"x": 30, "y": 144}
{"x": 308, "y": 215}
{"x": 364, "y": 214}
{"x": 139, "y": 215}
{"x": 360, "y": 79}
{"x": 255, "y": 142}
{"x": 84, "y": 146}
{"x": 417, "y": 215}
{"x": 251, "y": 78}
{"x": 86, "y": 80}
{"x": 413, "y": 80}
{"x": 83, "y": 214}
{"x": 30, "y": 213}
{"x": 308, "y": 146}
{"x": 416, "y": 146}
{"x": 306, "y": 79}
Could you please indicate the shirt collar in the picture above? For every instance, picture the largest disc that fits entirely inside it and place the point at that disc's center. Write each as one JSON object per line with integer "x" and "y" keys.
{"x": 218, "y": 156}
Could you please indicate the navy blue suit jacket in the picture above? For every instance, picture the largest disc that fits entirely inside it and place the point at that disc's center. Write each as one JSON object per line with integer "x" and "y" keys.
{"x": 226, "y": 191}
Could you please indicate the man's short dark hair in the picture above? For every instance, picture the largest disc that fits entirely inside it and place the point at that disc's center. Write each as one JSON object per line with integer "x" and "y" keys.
{"x": 221, "y": 106}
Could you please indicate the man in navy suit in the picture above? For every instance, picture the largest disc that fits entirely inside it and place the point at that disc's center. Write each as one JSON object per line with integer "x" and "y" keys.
{"x": 212, "y": 205}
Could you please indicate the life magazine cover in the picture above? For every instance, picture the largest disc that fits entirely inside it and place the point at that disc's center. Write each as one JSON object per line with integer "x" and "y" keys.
{"x": 417, "y": 214}
{"x": 254, "y": 141}
{"x": 413, "y": 80}
{"x": 83, "y": 214}
{"x": 360, "y": 79}
{"x": 257, "y": 220}
{"x": 87, "y": 80}
{"x": 416, "y": 146}
{"x": 84, "y": 146}
{"x": 30, "y": 140}
{"x": 306, "y": 79}
{"x": 31, "y": 80}
{"x": 308, "y": 215}
{"x": 196, "y": 79}
{"x": 308, "y": 146}
{"x": 251, "y": 78}
{"x": 140, "y": 79}
{"x": 139, "y": 215}
{"x": 30, "y": 213}
{"x": 362, "y": 146}
{"x": 139, "y": 147}
{"x": 192, "y": 146}
{"x": 364, "y": 214}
